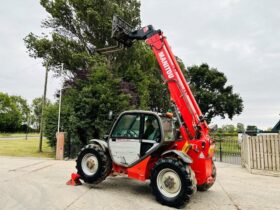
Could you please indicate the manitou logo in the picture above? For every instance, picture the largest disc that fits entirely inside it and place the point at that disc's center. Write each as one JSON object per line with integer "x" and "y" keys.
{"x": 166, "y": 65}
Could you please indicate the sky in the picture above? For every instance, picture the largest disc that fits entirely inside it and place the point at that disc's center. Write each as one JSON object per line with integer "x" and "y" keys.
{"x": 19, "y": 73}
{"x": 239, "y": 38}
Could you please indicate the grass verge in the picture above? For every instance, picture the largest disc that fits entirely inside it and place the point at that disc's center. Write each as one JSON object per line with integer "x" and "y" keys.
{"x": 25, "y": 148}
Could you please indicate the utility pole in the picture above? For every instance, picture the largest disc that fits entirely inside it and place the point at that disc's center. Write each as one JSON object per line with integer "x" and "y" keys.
{"x": 59, "y": 135}
{"x": 59, "y": 107}
{"x": 43, "y": 107}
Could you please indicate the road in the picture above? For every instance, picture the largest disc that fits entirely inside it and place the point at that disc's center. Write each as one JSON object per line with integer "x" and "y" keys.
{"x": 33, "y": 183}
{"x": 18, "y": 137}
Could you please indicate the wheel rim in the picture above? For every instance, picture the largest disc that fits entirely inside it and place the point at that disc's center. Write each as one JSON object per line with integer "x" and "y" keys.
{"x": 169, "y": 183}
{"x": 89, "y": 164}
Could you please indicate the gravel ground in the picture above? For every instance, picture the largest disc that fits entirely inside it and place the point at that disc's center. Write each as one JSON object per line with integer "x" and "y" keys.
{"x": 33, "y": 183}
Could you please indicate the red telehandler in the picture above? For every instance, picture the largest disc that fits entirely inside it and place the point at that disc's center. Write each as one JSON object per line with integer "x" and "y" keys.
{"x": 144, "y": 145}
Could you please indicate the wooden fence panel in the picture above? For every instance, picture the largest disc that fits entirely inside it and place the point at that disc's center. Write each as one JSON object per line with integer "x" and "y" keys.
{"x": 253, "y": 143}
{"x": 273, "y": 153}
{"x": 261, "y": 154}
{"x": 265, "y": 154}
{"x": 257, "y": 143}
{"x": 268, "y": 148}
{"x": 277, "y": 151}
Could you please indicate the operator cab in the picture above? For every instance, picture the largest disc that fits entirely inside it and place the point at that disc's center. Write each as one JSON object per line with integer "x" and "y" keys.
{"x": 136, "y": 134}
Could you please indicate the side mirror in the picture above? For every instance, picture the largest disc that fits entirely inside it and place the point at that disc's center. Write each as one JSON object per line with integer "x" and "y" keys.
{"x": 110, "y": 115}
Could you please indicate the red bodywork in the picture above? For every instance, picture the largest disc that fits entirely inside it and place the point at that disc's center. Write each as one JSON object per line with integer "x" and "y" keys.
{"x": 199, "y": 149}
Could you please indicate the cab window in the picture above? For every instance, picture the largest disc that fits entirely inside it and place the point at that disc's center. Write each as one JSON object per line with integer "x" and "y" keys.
{"x": 168, "y": 129}
{"x": 127, "y": 127}
{"x": 151, "y": 128}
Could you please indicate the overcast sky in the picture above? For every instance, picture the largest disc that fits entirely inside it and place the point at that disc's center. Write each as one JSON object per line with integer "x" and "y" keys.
{"x": 239, "y": 38}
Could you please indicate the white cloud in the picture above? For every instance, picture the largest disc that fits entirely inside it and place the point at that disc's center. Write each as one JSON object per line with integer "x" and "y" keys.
{"x": 228, "y": 3}
{"x": 19, "y": 73}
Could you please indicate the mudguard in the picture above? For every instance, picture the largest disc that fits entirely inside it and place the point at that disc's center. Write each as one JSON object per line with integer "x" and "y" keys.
{"x": 187, "y": 159}
{"x": 103, "y": 144}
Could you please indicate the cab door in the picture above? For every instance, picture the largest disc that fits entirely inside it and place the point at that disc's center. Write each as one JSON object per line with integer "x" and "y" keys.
{"x": 151, "y": 136}
{"x": 124, "y": 141}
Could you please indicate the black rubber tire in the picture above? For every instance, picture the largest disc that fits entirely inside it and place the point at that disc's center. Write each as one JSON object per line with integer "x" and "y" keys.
{"x": 109, "y": 164}
{"x": 104, "y": 162}
{"x": 186, "y": 175}
{"x": 205, "y": 186}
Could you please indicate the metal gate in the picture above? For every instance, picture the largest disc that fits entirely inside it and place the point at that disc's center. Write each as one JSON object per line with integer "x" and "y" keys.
{"x": 228, "y": 149}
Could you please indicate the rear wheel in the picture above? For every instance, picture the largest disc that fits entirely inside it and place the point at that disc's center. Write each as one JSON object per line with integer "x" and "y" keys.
{"x": 172, "y": 182}
{"x": 206, "y": 186}
{"x": 93, "y": 164}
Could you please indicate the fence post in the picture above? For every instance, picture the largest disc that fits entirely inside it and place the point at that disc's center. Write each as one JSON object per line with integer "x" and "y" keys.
{"x": 221, "y": 155}
{"x": 59, "y": 146}
{"x": 248, "y": 144}
{"x": 243, "y": 153}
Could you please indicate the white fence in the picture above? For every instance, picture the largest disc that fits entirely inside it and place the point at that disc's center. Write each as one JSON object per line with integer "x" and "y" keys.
{"x": 261, "y": 154}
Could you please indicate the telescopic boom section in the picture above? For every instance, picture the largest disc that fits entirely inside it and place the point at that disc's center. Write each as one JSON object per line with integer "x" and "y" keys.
{"x": 194, "y": 126}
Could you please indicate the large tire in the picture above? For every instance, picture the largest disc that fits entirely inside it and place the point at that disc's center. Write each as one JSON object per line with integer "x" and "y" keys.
{"x": 205, "y": 186}
{"x": 172, "y": 182}
{"x": 93, "y": 164}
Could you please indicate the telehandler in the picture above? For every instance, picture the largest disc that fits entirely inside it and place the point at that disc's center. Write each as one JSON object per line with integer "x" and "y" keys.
{"x": 144, "y": 145}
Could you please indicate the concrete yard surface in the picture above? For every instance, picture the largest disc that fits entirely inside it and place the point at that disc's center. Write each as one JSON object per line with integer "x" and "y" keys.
{"x": 34, "y": 183}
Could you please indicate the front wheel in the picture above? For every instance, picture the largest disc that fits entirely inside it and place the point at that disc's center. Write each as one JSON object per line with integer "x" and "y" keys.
{"x": 172, "y": 182}
{"x": 93, "y": 164}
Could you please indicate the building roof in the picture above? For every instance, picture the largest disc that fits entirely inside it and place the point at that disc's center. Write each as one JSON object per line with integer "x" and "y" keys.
{"x": 276, "y": 128}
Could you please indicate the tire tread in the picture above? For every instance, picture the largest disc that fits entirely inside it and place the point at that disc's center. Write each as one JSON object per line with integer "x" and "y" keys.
{"x": 105, "y": 164}
{"x": 187, "y": 179}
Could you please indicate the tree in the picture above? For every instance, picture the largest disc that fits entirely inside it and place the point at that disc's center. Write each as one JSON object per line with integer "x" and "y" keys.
{"x": 50, "y": 123}
{"x": 79, "y": 27}
{"x": 240, "y": 127}
{"x": 212, "y": 94}
{"x": 228, "y": 128}
{"x": 23, "y": 108}
{"x": 86, "y": 107}
{"x": 10, "y": 116}
{"x": 37, "y": 111}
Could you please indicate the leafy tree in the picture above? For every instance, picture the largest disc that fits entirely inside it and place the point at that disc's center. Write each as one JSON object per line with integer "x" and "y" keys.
{"x": 51, "y": 117}
{"x": 240, "y": 127}
{"x": 23, "y": 107}
{"x": 85, "y": 107}
{"x": 95, "y": 84}
{"x": 228, "y": 128}
{"x": 81, "y": 26}
{"x": 36, "y": 108}
{"x": 67, "y": 122}
{"x": 214, "y": 97}
{"x": 10, "y": 116}
{"x": 141, "y": 77}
